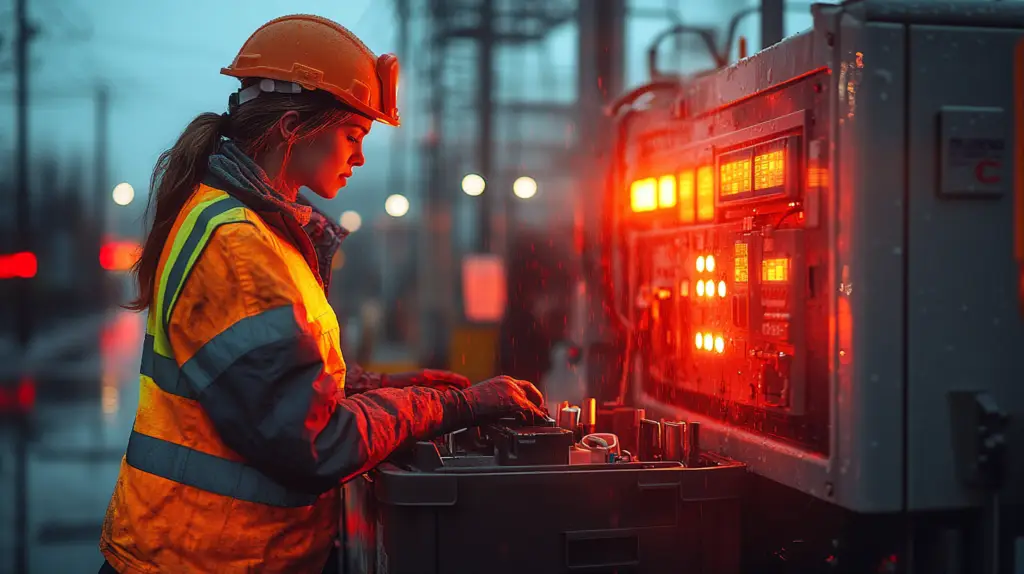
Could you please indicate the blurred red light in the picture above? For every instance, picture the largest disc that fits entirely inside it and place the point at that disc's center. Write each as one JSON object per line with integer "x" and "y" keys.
{"x": 18, "y": 399}
{"x": 26, "y": 395}
{"x": 21, "y": 265}
{"x": 107, "y": 257}
{"x": 118, "y": 255}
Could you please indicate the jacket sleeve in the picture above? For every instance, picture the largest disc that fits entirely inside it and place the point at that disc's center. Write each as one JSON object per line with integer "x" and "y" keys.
{"x": 359, "y": 380}
{"x": 255, "y": 364}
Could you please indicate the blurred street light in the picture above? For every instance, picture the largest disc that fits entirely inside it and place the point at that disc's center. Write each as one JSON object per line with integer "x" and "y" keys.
{"x": 396, "y": 205}
{"x": 351, "y": 221}
{"x": 473, "y": 184}
{"x": 524, "y": 187}
{"x": 339, "y": 260}
{"x": 123, "y": 193}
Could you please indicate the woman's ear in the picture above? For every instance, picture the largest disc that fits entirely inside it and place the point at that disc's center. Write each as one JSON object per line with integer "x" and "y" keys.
{"x": 288, "y": 125}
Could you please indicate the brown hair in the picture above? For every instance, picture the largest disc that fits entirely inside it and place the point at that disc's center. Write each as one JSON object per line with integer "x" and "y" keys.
{"x": 180, "y": 169}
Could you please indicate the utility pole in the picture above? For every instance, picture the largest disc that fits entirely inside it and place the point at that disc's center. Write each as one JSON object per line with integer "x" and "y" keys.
{"x": 601, "y": 53}
{"x": 101, "y": 193}
{"x": 23, "y": 305}
{"x": 22, "y": 201}
{"x": 771, "y": 22}
{"x": 396, "y": 169}
{"x": 436, "y": 275}
{"x": 398, "y": 164}
{"x": 485, "y": 77}
{"x": 101, "y": 144}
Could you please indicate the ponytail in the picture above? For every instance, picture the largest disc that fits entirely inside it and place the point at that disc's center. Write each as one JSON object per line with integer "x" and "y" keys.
{"x": 178, "y": 172}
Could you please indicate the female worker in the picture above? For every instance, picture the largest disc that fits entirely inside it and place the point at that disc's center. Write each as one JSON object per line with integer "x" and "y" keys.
{"x": 245, "y": 428}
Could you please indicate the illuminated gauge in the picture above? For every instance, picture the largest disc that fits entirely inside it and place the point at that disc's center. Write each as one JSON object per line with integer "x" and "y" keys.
{"x": 684, "y": 288}
{"x": 719, "y": 344}
{"x": 709, "y": 288}
{"x": 709, "y": 342}
{"x": 700, "y": 288}
{"x": 700, "y": 264}
{"x": 699, "y": 340}
{"x": 709, "y": 263}
{"x": 721, "y": 288}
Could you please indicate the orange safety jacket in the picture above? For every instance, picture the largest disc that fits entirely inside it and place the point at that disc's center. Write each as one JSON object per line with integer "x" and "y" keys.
{"x": 243, "y": 432}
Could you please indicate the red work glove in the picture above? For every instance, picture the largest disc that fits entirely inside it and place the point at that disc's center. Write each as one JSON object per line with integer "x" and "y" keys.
{"x": 503, "y": 396}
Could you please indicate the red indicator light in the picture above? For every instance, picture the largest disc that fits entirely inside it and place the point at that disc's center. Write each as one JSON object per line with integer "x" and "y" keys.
{"x": 21, "y": 265}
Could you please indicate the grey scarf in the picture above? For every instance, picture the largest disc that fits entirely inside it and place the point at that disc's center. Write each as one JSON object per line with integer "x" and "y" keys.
{"x": 234, "y": 169}
{"x": 237, "y": 169}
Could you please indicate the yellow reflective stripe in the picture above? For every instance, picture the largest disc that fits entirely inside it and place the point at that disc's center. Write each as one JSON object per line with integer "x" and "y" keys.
{"x": 161, "y": 344}
{"x": 212, "y": 216}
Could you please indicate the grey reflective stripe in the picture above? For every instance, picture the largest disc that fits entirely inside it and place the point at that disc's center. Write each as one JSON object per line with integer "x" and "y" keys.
{"x": 245, "y": 336}
{"x": 163, "y": 370}
{"x": 210, "y": 473}
{"x": 219, "y": 353}
{"x": 180, "y": 267}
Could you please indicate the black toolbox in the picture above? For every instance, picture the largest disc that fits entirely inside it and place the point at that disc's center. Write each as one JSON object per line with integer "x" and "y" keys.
{"x": 471, "y": 516}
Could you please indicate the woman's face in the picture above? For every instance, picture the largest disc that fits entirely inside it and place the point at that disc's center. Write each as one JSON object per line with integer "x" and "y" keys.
{"x": 324, "y": 162}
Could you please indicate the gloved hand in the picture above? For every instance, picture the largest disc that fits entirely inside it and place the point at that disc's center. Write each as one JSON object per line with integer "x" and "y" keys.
{"x": 503, "y": 396}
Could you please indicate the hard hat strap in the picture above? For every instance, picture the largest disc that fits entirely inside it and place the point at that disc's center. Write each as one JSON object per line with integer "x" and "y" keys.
{"x": 264, "y": 86}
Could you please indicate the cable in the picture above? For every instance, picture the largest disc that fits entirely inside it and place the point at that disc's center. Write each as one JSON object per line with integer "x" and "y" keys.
{"x": 791, "y": 211}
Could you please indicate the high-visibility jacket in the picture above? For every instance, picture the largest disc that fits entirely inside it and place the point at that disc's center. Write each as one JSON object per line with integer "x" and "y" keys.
{"x": 243, "y": 431}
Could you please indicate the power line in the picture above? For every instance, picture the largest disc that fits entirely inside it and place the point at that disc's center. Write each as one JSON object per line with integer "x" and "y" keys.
{"x": 76, "y": 28}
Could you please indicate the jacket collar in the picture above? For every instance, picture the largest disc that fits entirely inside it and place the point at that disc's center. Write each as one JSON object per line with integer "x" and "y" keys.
{"x": 326, "y": 237}
{"x": 305, "y": 226}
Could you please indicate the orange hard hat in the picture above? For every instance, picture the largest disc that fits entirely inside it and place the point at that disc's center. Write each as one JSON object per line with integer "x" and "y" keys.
{"x": 318, "y": 54}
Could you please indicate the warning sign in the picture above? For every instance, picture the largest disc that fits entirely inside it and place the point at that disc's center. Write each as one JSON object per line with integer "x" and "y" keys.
{"x": 975, "y": 152}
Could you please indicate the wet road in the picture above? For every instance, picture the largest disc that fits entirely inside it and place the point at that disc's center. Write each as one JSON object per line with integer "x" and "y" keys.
{"x": 84, "y": 412}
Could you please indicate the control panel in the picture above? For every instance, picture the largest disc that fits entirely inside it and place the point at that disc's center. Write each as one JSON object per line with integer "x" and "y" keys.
{"x": 725, "y": 261}
{"x": 717, "y": 328}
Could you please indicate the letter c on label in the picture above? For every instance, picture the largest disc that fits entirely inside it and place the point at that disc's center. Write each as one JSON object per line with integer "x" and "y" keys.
{"x": 986, "y": 172}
